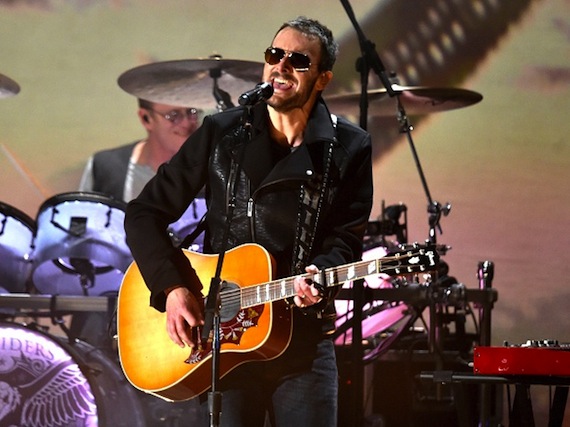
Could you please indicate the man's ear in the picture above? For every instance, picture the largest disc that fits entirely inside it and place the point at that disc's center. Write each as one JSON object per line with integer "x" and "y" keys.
{"x": 143, "y": 116}
{"x": 323, "y": 80}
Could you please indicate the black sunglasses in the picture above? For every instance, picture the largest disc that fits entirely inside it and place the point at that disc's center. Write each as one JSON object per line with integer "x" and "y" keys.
{"x": 299, "y": 61}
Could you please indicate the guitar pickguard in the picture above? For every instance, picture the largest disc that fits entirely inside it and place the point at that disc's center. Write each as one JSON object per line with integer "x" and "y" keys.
{"x": 231, "y": 331}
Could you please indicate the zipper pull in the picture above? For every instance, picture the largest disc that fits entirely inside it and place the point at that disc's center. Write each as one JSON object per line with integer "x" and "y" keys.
{"x": 250, "y": 207}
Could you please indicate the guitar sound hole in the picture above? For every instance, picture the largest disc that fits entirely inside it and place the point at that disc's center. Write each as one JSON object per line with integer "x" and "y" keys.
{"x": 231, "y": 304}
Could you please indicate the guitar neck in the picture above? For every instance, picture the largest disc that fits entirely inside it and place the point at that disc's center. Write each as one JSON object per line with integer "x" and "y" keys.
{"x": 400, "y": 263}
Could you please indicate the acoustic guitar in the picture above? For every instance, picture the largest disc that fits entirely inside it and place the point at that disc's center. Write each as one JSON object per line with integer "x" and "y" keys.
{"x": 255, "y": 319}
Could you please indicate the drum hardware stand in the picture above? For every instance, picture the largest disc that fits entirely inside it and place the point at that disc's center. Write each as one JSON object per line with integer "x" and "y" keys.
{"x": 435, "y": 211}
{"x": 85, "y": 269}
{"x": 388, "y": 225}
{"x": 223, "y": 98}
{"x": 485, "y": 274}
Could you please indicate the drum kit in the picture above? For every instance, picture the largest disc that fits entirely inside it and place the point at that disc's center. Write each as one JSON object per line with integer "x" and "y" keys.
{"x": 75, "y": 247}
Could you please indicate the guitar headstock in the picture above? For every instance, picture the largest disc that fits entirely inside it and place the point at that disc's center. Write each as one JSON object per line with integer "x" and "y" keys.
{"x": 414, "y": 258}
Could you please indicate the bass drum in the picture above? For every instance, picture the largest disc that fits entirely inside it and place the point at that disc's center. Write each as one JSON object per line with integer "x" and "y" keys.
{"x": 44, "y": 381}
{"x": 16, "y": 244}
{"x": 378, "y": 317}
{"x": 80, "y": 246}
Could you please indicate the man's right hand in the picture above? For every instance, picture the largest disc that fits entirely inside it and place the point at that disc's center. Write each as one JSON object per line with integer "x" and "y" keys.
{"x": 183, "y": 312}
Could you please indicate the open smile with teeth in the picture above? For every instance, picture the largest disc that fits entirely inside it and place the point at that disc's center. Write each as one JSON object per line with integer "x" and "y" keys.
{"x": 282, "y": 84}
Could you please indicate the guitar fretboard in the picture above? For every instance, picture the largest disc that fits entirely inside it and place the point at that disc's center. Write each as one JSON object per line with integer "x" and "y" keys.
{"x": 412, "y": 261}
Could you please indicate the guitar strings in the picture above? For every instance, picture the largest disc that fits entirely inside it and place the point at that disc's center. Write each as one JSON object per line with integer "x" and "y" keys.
{"x": 283, "y": 288}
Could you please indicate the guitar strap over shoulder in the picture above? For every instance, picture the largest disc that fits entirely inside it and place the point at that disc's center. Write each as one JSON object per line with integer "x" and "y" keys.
{"x": 312, "y": 195}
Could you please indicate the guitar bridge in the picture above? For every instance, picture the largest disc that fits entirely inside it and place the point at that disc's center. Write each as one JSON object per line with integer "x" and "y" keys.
{"x": 197, "y": 353}
{"x": 194, "y": 357}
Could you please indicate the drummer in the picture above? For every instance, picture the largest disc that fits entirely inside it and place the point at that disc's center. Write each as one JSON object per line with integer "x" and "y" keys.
{"x": 123, "y": 171}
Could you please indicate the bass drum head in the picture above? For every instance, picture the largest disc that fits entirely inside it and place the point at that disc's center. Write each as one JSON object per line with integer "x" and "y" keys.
{"x": 16, "y": 242}
{"x": 80, "y": 245}
{"x": 46, "y": 382}
{"x": 378, "y": 317}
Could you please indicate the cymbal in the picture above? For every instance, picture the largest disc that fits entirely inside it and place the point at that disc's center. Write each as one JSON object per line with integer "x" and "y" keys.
{"x": 190, "y": 83}
{"x": 415, "y": 100}
{"x": 8, "y": 87}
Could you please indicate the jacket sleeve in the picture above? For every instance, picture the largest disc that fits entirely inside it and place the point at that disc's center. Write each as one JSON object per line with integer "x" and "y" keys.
{"x": 163, "y": 200}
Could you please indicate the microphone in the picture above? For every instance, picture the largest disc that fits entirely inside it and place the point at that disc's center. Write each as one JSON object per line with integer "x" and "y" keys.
{"x": 259, "y": 93}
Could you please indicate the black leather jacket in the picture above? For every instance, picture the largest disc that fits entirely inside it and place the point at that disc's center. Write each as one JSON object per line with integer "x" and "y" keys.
{"x": 267, "y": 195}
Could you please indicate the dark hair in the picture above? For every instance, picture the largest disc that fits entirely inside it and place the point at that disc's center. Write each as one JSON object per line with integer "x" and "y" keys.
{"x": 143, "y": 103}
{"x": 313, "y": 28}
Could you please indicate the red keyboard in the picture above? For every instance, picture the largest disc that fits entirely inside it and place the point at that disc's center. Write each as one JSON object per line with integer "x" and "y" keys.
{"x": 522, "y": 360}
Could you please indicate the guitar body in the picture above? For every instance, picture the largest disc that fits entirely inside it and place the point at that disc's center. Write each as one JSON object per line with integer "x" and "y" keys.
{"x": 154, "y": 364}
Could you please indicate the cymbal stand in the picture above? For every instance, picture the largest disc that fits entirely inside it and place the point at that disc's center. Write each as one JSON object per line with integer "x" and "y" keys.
{"x": 223, "y": 98}
{"x": 435, "y": 209}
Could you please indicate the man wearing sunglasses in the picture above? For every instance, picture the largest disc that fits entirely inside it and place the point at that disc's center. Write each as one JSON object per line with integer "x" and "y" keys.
{"x": 123, "y": 171}
{"x": 298, "y": 183}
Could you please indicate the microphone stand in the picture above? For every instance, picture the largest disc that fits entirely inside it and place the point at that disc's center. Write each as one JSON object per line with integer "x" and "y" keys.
{"x": 370, "y": 60}
{"x": 212, "y": 323}
{"x": 212, "y": 320}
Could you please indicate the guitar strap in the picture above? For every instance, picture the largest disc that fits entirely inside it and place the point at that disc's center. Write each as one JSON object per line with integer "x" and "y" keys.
{"x": 311, "y": 198}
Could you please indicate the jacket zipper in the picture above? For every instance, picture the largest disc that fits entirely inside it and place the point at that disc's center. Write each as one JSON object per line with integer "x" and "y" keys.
{"x": 250, "y": 207}
{"x": 250, "y": 211}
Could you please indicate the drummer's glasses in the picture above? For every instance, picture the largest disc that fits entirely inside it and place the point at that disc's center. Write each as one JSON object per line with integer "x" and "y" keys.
{"x": 299, "y": 61}
{"x": 176, "y": 116}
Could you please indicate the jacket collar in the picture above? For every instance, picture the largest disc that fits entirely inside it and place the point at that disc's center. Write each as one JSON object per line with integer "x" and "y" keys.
{"x": 319, "y": 126}
{"x": 298, "y": 166}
